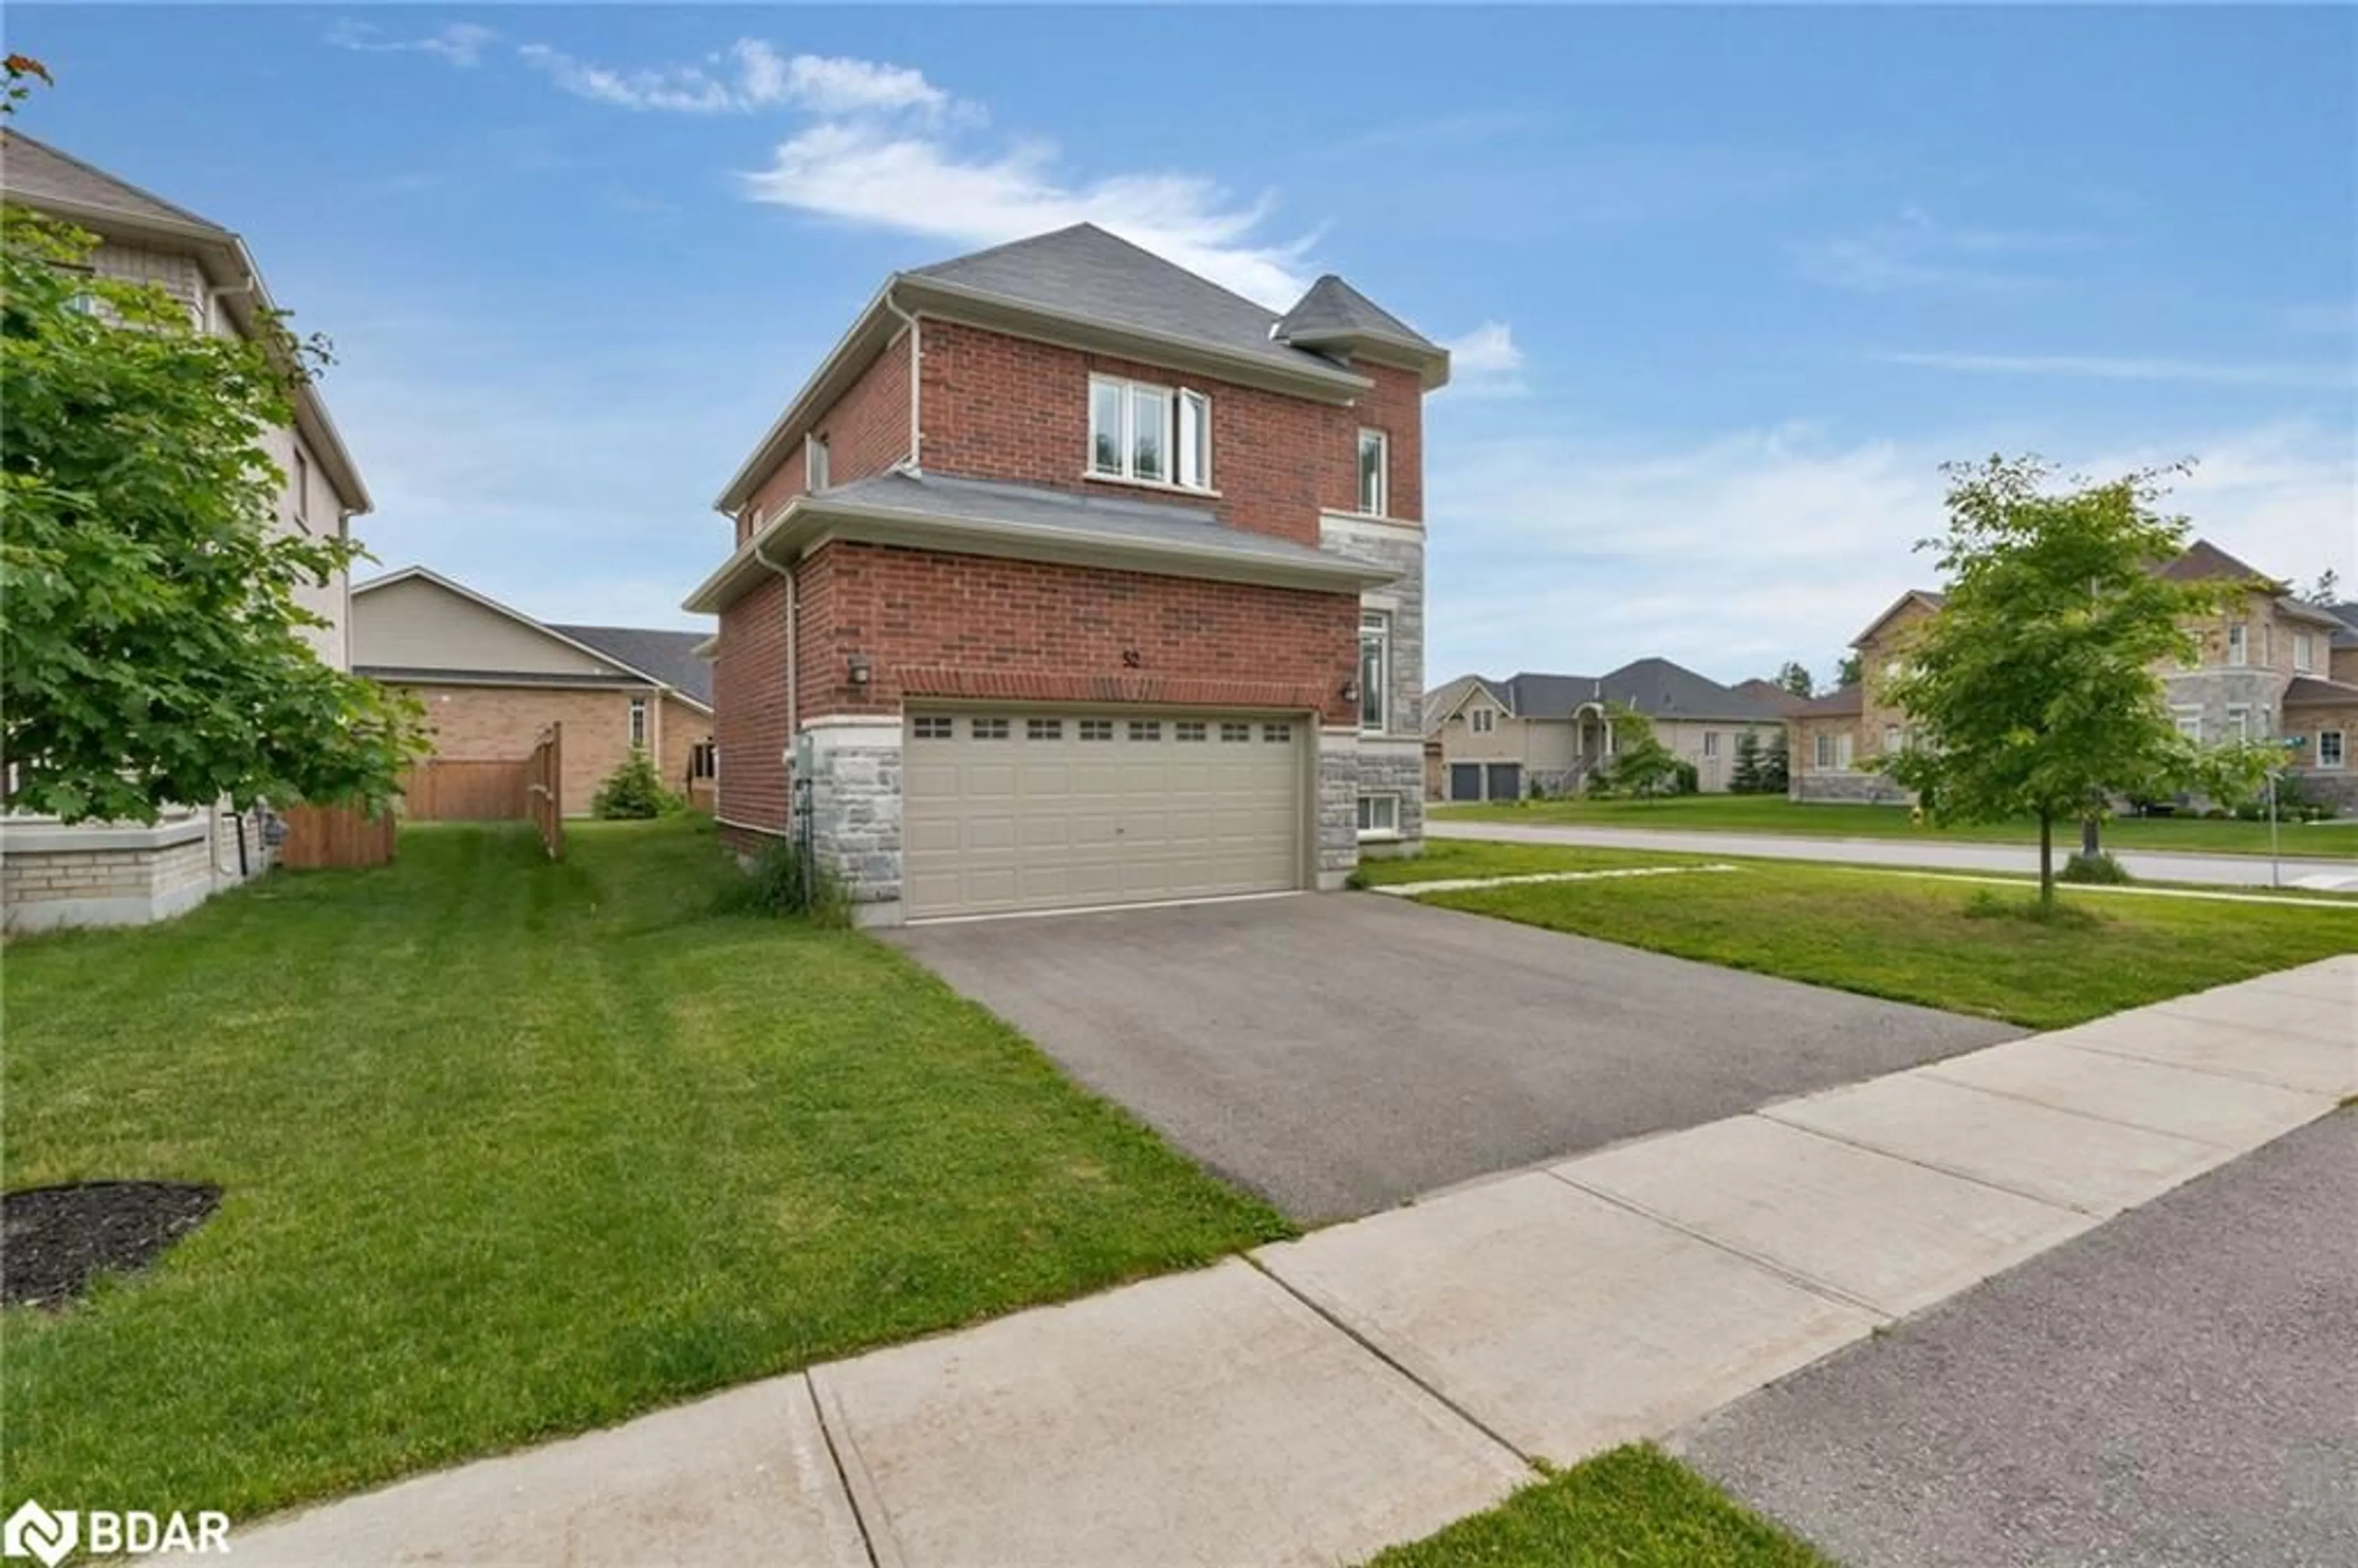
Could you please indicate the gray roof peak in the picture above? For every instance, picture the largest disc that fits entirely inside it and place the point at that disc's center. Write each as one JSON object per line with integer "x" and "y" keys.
{"x": 37, "y": 174}
{"x": 1332, "y": 310}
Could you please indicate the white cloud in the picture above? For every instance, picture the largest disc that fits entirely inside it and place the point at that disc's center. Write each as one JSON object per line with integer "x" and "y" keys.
{"x": 863, "y": 172}
{"x": 460, "y": 43}
{"x": 2100, "y": 367}
{"x": 1486, "y": 360}
{"x": 1915, "y": 251}
{"x": 1550, "y": 552}
{"x": 747, "y": 76}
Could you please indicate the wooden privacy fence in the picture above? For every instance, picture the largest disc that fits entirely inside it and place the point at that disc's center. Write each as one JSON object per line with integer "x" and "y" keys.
{"x": 545, "y": 789}
{"x": 327, "y": 836}
{"x": 450, "y": 789}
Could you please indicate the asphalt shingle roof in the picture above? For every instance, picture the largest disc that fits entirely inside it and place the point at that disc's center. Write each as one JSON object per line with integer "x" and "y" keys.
{"x": 1335, "y": 307}
{"x": 1085, "y": 271}
{"x": 1655, "y": 688}
{"x": 669, "y": 656}
{"x": 2347, "y": 636}
{"x": 33, "y": 172}
{"x": 2308, "y": 691}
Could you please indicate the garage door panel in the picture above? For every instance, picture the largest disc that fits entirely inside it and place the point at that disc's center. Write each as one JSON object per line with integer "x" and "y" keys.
{"x": 1031, "y": 810}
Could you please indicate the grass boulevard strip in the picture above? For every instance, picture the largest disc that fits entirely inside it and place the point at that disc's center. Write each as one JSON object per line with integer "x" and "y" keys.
{"x": 2332, "y": 839}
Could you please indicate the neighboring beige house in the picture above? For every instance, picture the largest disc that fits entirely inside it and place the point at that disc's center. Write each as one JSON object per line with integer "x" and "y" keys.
{"x": 492, "y": 678}
{"x": 126, "y": 874}
{"x": 1499, "y": 740}
{"x": 2269, "y": 665}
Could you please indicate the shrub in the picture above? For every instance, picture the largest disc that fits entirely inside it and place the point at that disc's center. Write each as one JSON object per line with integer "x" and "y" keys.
{"x": 780, "y": 882}
{"x": 2097, "y": 869}
{"x": 1685, "y": 780}
{"x": 634, "y": 792}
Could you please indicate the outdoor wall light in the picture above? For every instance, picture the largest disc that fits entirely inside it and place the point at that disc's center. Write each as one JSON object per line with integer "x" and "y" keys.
{"x": 1351, "y": 691}
{"x": 859, "y": 669}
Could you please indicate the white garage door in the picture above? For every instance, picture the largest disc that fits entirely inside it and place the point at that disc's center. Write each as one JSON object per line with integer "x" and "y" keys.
{"x": 1048, "y": 810}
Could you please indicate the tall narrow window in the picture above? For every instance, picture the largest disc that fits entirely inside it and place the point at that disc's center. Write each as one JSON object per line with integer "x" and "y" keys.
{"x": 1150, "y": 409}
{"x": 1375, "y": 669}
{"x": 1194, "y": 451}
{"x": 1107, "y": 401}
{"x": 1375, "y": 475}
{"x": 2239, "y": 645}
{"x": 816, "y": 476}
{"x": 2304, "y": 658}
{"x": 638, "y": 723}
{"x": 1483, "y": 720}
{"x": 300, "y": 482}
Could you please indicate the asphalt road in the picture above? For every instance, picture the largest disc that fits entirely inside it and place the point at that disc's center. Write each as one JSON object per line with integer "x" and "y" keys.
{"x": 1339, "y": 1054}
{"x": 2178, "y": 1388}
{"x": 2228, "y": 870}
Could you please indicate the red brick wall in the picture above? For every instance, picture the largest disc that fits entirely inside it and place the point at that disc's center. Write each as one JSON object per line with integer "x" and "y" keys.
{"x": 866, "y": 432}
{"x": 936, "y": 624}
{"x": 749, "y": 687}
{"x": 1006, "y": 408}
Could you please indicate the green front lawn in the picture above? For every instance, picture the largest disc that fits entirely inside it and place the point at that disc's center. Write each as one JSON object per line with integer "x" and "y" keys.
{"x": 1629, "y": 1508}
{"x": 512, "y": 1149}
{"x": 1774, "y": 814}
{"x": 1909, "y": 938}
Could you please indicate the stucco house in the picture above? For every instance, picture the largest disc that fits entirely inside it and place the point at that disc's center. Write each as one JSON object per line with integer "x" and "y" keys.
{"x": 126, "y": 873}
{"x": 1070, "y": 579}
{"x": 2269, "y": 665}
{"x": 492, "y": 678}
{"x": 1499, "y": 740}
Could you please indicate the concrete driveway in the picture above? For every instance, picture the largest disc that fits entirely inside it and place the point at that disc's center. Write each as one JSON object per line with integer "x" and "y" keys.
{"x": 1341, "y": 1053}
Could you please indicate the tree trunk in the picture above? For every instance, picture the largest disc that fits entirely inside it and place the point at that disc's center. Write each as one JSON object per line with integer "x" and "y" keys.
{"x": 2089, "y": 844}
{"x": 2046, "y": 860}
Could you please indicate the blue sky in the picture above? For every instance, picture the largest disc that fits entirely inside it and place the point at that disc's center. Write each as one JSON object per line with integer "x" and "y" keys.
{"x": 1726, "y": 285}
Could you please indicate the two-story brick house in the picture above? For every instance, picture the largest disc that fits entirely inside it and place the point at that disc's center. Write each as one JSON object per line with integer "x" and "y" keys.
{"x": 100, "y": 873}
{"x": 2266, "y": 665}
{"x": 1072, "y": 578}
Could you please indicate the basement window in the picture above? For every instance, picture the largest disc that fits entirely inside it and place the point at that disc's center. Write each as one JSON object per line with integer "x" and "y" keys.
{"x": 1150, "y": 434}
{"x": 1379, "y": 816}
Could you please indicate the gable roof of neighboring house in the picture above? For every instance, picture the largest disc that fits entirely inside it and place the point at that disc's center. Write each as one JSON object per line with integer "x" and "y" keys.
{"x": 672, "y": 665}
{"x": 989, "y": 517}
{"x": 2346, "y": 634}
{"x": 1086, "y": 288}
{"x": 1843, "y": 702}
{"x": 1769, "y": 695}
{"x": 39, "y": 176}
{"x": 2311, "y": 691}
{"x": 669, "y": 656}
{"x": 2203, "y": 560}
{"x": 1654, "y": 686}
{"x": 1930, "y": 598}
{"x": 1447, "y": 697}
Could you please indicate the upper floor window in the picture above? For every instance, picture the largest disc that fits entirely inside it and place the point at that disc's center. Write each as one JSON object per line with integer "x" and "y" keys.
{"x": 2304, "y": 654}
{"x": 1375, "y": 669}
{"x": 638, "y": 723}
{"x": 2239, "y": 645}
{"x": 302, "y": 487}
{"x": 1375, "y": 473}
{"x": 1483, "y": 720}
{"x": 815, "y": 464}
{"x": 1159, "y": 435}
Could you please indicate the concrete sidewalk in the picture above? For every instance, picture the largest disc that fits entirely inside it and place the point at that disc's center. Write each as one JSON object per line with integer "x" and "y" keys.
{"x": 1369, "y": 1383}
{"x": 1940, "y": 854}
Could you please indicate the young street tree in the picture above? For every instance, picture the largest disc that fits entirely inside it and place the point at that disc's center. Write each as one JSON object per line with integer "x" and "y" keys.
{"x": 151, "y": 644}
{"x": 2036, "y": 691}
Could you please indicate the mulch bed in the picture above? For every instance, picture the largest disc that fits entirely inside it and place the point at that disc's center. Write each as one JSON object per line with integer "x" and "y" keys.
{"x": 54, "y": 1241}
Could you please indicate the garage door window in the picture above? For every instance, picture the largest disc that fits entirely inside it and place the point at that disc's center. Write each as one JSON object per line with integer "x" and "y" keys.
{"x": 1191, "y": 730}
{"x": 1236, "y": 732}
{"x": 1096, "y": 729}
{"x": 1378, "y": 817}
{"x": 1043, "y": 730}
{"x": 1277, "y": 731}
{"x": 934, "y": 729}
{"x": 1146, "y": 729}
{"x": 990, "y": 728}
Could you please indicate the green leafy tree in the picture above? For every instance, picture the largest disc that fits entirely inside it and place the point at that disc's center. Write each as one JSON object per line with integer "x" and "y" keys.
{"x": 1795, "y": 677}
{"x": 2034, "y": 691}
{"x": 1642, "y": 765}
{"x": 1847, "y": 673}
{"x": 154, "y": 645}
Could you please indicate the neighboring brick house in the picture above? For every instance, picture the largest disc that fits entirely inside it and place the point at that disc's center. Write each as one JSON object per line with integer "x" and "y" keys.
{"x": 492, "y": 678}
{"x": 1072, "y": 578}
{"x": 2267, "y": 665}
{"x": 1500, "y": 740}
{"x": 126, "y": 873}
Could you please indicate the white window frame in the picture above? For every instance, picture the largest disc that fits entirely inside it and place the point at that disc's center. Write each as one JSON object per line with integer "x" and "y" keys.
{"x": 1375, "y": 696}
{"x": 818, "y": 466}
{"x": 2304, "y": 656}
{"x": 1379, "y": 504}
{"x": 638, "y": 725}
{"x": 1187, "y": 431}
{"x": 2341, "y": 751}
{"x": 2239, "y": 645}
{"x": 1390, "y": 803}
{"x": 1821, "y": 751}
{"x": 1483, "y": 721}
{"x": 1710, "y": 743}
{"x": 2239, "y": 721}
{"x": 301, "y": 479}
{"x": 2189, "y": 722}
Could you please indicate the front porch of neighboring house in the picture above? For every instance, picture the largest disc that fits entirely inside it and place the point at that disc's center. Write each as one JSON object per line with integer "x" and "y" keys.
{"x": 1593, "y": 745}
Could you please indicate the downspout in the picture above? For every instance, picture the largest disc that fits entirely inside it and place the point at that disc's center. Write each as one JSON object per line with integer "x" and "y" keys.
{"x": 794, "y": 694}
{"x": 916, "y": 379}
